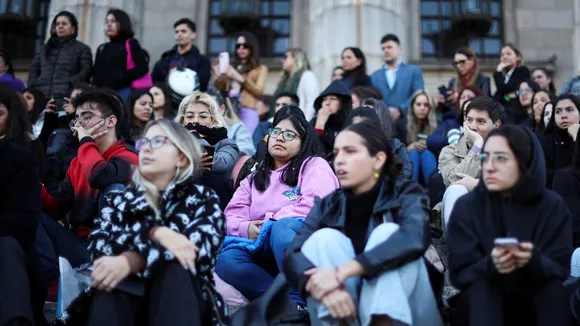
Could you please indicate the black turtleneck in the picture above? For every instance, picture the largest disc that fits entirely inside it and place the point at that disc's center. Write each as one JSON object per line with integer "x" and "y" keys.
{"x": 359, "y": 209}
{"x": 111, "y": 63}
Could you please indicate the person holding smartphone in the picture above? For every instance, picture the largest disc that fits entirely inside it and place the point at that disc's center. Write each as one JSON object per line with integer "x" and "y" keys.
{"x": 421, "y": 122}
{"x": 510, "y": 239}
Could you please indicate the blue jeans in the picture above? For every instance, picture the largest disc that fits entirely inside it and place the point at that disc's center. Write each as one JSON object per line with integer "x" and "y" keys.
{"x": 424, "y": 163}
{"x": 252, "y": 274}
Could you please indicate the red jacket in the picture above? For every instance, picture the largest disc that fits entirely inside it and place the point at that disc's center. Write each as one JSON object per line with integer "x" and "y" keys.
{"x": 89, "y": 173}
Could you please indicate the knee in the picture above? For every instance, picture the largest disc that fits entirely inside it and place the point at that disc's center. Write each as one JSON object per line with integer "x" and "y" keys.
{"x": 285, "y": 229}
{"x": 455, "y": 191}
{"x": 324, "y": 240}
{"x": 230, "y": 262}
{"x": 9, "y": 245}
{"x": 381, "y": 233}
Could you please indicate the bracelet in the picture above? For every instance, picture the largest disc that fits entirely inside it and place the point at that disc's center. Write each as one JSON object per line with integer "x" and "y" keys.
{"x": 340, "y": 284}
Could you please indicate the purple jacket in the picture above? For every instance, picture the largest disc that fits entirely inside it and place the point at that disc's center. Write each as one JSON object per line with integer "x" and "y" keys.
{"x": 16, "y": 84}
{"x": 316, "y": 179}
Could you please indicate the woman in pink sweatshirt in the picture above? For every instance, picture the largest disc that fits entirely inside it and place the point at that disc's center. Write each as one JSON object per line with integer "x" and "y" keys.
{"x": 283, "y": 190}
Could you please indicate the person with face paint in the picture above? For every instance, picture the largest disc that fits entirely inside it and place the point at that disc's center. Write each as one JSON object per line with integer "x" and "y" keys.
{"x": 510, "y": 239}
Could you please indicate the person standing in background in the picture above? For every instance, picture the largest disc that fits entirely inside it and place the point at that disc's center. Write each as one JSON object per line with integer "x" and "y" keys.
{"x": 62, "y": 61}
{"x": 299, "y": 79}
{"x": 397, "y": 80}
{"x": 354, "y": 64}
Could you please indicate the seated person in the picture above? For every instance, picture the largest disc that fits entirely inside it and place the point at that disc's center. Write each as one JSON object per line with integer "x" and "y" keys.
{"x": 264, "y": 127}
{"x": 358, "y": 256}
{"x": 283, "y": 190}
{"x": 103, "y": 161}
{"x": 458, "y": 163}
{"x": 199, "y": 113}
{"x": 22, "y": 295}
{"x": 172, "y": 246}
{"x": 518, "y": 283}
{"x": 368, "y": 114}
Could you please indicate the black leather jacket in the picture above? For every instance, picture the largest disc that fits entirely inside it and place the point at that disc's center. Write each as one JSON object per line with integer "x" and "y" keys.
{"x": 404, "y": 203}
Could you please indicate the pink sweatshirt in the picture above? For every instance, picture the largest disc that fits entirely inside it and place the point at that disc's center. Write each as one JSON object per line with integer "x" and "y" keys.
{"x": 316, "y": 179}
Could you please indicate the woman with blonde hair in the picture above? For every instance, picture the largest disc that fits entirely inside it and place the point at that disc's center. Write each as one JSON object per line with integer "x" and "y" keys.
{"x": 237, "y": 130}
{"x": 421, "y": 122}
{"x": 199, "y": 113}
{"x": 298, "y": 78}
{"x": 165, "y": 232}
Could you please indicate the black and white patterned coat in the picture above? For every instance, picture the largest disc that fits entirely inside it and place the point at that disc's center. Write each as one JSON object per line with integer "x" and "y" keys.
{"x": 188, "y": 208}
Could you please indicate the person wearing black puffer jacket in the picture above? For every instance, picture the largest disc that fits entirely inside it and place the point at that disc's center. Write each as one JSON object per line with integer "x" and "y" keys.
{"x": 111, "y": 57}
{"x": 63, "y": 61}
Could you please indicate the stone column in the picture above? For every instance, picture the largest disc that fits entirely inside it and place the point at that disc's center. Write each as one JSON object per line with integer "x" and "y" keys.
{"x": 336, "y": 24}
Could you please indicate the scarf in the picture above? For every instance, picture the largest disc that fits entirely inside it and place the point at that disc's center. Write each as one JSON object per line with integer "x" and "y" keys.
{"x": 290, "y": 84}
{"x": 211, "y": 135}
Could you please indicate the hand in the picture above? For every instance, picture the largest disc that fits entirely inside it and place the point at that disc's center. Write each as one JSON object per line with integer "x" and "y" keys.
{"x": 94, "y": 132}
{"x": 235, "y": 75}
{"x": 50, "y": 106}
{"x": 500, "y": 67}
{"x": 440, "y": 98}
{"x": 452, "y": 96}
{"x": 321, "y": 281}
{"x": 68, "y": 107}
{"x": 523, "y": 254}
{"x": 339, "y": 304}
{"x": 322, "y": 117}
{"x": 254, "y": 229}
{"x": 472, "y": 136}
{"x": 395, "y": 113}
{"x": 109, "y": 271}
{"x": 421, "y": 145}
{"x": 467, "y": 181}
{"x": 504, "y": 260}
{"x": 179, "y": 245}
{"x": 206, "y": 162}
{"x": 573, "y": 130}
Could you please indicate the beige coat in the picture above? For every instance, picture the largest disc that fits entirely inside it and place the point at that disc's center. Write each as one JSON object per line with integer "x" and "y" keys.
{"x": 458, "y": 158}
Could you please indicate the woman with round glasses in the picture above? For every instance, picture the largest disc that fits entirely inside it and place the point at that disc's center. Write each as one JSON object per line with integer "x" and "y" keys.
{"x": 510, "y": 239}
{"x": 245, "y": 78}
{"x": 523, "y": 112}
{"x": 467, "y": 74}
{"x": 163, "y": 231}
{"x": 269, "y": 206}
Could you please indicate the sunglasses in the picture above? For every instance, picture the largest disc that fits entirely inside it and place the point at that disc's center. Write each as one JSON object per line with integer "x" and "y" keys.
{"x": 242, "y": 46}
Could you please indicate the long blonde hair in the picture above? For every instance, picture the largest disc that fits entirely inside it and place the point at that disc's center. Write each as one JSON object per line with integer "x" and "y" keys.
{"x": 416, "y": 126}
{"x": 300, "y": 63}
{"x": 205, "y": 100}
{"x": 187, "y": 144}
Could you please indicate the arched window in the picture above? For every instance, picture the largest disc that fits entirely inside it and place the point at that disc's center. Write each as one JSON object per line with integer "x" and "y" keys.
{"x": 272, "y": 31}
{"x": 23, "y": 26}
{"x": 440, "y": 37}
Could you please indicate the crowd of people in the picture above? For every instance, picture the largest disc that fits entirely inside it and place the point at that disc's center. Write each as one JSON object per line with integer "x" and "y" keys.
{"x": 189, "y": 194}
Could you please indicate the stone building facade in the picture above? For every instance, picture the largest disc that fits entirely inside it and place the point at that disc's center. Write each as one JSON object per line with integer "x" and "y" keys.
{"x": 542, "y": 29}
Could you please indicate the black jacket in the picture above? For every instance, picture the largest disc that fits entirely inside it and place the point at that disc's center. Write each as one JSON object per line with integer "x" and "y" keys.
{"x": 20, "y": 206}
{"x": 192, "y": 59}
{"x": 59, "y": 65}
{"x": 567, "y": 184}
{"x": 531, "y": 213}
{"x": 558, "y": 149}
{"x": 111, "y": 63}
{"x": 404, "y": 203}
{"x": 520, "y": 74}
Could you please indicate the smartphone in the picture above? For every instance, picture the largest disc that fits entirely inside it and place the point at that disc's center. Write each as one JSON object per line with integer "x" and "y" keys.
{"x": 210, "y": 150}
{"x": 224, "y": 62}
{"x": 443, "y": 90}
{"x": 506, "y": 242}
{"x": 421, "y": 137}
{"x": 59, "y": 103}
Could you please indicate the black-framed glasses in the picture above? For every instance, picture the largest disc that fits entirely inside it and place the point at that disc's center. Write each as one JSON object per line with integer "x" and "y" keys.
{"x": 287, "y": 135}
{"x": 242, "y": 45}
{"x": 457, "y": 63}
{"x": 84, "y": 120}
{"x": 499, "y": 158}
{"x": 154, "y": 142}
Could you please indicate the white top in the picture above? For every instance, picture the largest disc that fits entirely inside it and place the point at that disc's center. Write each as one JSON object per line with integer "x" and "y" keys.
{"x": 307, "y": 92}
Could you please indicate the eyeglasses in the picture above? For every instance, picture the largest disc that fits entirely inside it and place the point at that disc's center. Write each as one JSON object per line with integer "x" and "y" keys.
{"x": 287, "y": 135}
{"x": 499, "y": 158}
{"x": 153, "y": 143}
{"x": 457, "y": 63}
{"x": 84, "y": 121}
{"x": 524, "y": 91}
{"x": 242, "y": 45}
